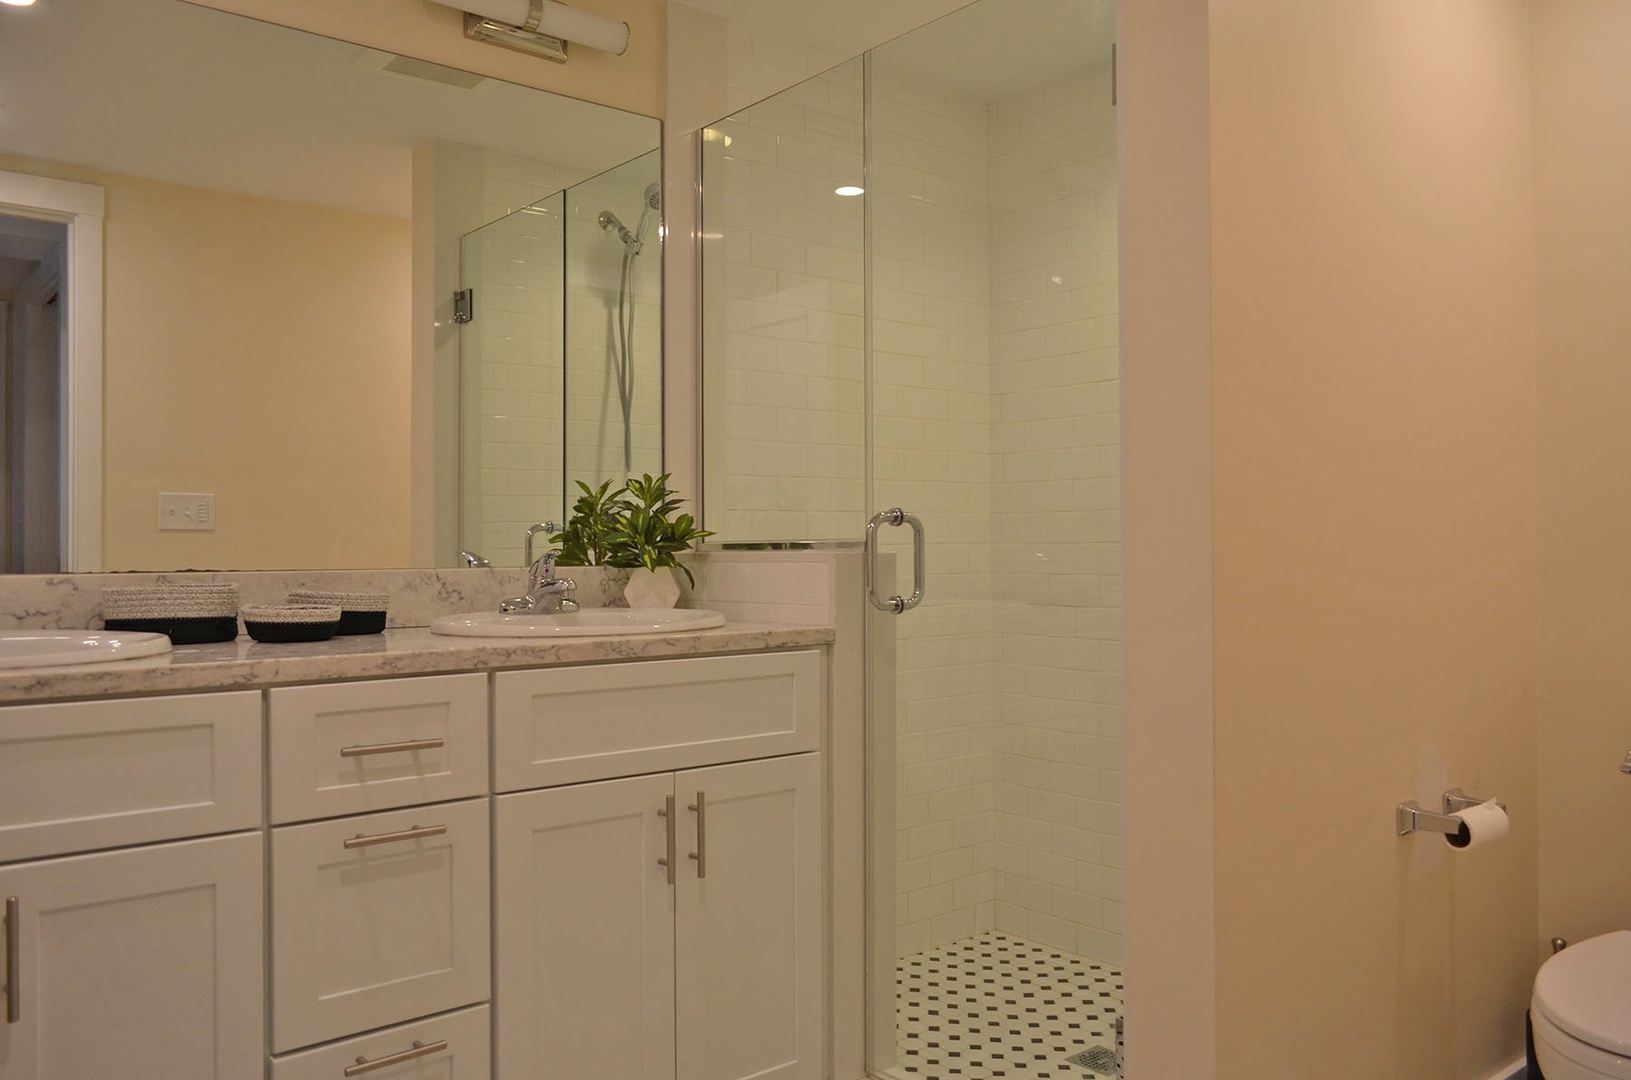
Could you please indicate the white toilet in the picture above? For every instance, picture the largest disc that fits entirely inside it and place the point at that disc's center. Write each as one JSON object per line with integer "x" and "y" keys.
{"x": 1581, "y": 1011}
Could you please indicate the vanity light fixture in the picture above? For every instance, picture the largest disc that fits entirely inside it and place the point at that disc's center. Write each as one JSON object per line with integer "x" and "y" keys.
{"x": 849, "y": 191}
{"x": 18, "y": 3}
{"x": 539, "y": 27}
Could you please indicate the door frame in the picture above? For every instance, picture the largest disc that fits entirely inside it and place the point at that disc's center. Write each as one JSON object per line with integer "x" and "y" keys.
{"x": 81, "y": 208}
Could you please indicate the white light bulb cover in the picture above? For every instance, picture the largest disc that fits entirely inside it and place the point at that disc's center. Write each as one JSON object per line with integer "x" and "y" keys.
{"x": 585, "y": 28}
{"x": 558, "y": 20}
{"x": 513, "y": 12}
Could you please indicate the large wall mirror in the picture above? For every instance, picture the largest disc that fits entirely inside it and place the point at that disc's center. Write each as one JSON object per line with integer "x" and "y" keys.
{"x": 283, "y": 223}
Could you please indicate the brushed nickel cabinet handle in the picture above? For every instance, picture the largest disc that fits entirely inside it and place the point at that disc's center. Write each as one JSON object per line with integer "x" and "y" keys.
{"x": 414, "y": 833}
{"x": 700, "y": 808}
{"x": 667, "y": 814}
{"x": 14, "y": 962}
{"x": 410, "y": 746}
{"x": 418, "y": 1050}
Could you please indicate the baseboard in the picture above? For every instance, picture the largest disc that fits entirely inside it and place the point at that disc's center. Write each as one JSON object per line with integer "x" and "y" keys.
{"x": 1518, "y": 1070}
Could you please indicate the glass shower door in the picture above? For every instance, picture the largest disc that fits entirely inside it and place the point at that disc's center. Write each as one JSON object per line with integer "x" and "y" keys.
{"x": 512, "y": 363}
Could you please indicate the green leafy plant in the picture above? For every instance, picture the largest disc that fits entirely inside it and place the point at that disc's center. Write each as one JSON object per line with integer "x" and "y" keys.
{"x": 586, "y": 540}
{"x": 630, "y": 527}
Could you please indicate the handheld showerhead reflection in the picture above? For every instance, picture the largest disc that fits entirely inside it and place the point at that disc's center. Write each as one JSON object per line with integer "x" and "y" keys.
{"x": 610, "y": 222}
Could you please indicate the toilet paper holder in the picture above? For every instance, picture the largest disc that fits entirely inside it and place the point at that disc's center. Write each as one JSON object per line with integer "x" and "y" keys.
{"x": 1412, "y": 817}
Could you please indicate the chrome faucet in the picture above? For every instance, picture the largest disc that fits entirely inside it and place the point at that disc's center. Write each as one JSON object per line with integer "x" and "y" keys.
{"x": 546, "y": 593}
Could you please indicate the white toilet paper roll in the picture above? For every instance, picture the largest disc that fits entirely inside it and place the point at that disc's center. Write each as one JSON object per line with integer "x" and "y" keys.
{"x": 1480, "y": 825}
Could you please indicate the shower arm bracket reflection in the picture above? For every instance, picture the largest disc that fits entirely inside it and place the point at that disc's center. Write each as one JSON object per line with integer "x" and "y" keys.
{"x": 895, "y": 605}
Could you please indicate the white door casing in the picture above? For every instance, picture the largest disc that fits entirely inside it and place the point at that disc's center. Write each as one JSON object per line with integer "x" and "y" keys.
{"x": 80, "y": 207}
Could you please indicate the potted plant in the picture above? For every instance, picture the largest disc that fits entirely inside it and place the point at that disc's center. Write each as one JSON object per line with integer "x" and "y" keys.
{"x": 632, "y": 528}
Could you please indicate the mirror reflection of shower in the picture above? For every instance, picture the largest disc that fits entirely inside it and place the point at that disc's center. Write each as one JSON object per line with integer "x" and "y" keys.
{"x": 621, "y": 351}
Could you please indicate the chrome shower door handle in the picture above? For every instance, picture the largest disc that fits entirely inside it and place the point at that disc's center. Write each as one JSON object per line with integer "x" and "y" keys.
{"x": 895, "y": 605}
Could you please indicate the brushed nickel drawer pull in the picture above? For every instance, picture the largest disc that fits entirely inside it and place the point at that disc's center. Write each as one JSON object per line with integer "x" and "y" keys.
{"x": 411, "y": 746}
{"x": 700, "y": 855}
{"x": 667, "y": 814}
{"x": 419, "y": 1050}
{"x": 413, "y": 833}
{"x": 14, "y": 962}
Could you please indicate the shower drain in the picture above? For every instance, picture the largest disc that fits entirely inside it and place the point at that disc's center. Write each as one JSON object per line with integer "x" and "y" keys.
{"x": 1099, "y": 1059}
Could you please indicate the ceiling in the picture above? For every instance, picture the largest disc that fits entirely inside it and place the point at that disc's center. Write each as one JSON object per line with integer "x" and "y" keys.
{"x": 995, "y": 49}
{"x": 165, "y": 90}
{"x": 981, "y": 51}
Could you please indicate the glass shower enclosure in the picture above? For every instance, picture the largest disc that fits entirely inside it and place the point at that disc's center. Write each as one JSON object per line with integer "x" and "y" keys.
{"x": 910, "y": 303}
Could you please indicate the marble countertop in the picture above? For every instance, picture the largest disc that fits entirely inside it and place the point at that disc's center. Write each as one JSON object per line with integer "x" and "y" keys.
{"x": 244, "y": 664}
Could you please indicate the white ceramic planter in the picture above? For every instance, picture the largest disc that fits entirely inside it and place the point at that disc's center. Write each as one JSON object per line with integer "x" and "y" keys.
{"x": 652, "y": 588}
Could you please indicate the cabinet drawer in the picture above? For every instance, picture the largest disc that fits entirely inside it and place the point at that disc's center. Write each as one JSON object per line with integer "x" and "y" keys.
{"x": 452, "y": 1047}
{"x": 352, "y": 748}
{"x": 391, "y": 927}
{"x": 567, "y": 725}
{"x": 97, "y": 774}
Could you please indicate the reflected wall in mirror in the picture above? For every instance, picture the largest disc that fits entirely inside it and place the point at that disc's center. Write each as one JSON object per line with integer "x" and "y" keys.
{"x": 284, "y": 216}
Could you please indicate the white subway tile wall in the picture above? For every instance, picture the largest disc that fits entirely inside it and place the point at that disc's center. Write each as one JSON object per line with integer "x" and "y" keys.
{"x": 765, "y": 586}
{"x": 1056, "y": 498}
{"x": 783, "y": 426}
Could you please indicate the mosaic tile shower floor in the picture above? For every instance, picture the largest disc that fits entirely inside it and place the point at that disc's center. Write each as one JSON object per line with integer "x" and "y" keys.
{"x": 996, "y": 1006}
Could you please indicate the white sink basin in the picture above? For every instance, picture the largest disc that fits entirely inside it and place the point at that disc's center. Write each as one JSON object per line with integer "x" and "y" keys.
{"x": 590, "y": 622}
{"x": 55, "y": 648}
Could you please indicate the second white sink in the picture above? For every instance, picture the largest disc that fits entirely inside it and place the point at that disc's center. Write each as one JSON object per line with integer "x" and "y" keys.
{"x": 589, "y": 622}
{"x": 55, "y": 648}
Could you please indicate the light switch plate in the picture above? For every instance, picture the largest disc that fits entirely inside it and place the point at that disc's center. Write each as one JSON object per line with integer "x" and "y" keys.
{"x": 186, "y": 512}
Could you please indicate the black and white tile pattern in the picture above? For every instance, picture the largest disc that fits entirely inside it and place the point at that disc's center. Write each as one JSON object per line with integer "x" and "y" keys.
{"x": 995, "y": 1006}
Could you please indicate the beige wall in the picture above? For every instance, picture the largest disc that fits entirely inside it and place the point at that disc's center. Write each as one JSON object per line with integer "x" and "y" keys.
{"x": 256, "y": 349}
{"x": 1375, "y": 546}
{"x": 633, "y": 81}
{"x": 1163, "y": 139}
{"x": 1583, "y": 174}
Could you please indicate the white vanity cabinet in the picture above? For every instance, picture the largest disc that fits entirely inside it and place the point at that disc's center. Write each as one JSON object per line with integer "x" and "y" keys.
{"x": 319, "y": 881}
{"x": 144, "y": 962}
{"x": 667, "y": 925}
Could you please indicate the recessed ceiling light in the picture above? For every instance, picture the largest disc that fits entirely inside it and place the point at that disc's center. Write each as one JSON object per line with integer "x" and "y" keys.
{"x": 18, "y": 3}
{"x": 850, "y": 191}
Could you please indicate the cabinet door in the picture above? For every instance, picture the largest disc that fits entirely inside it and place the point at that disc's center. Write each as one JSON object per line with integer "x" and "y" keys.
{"x": 143, "y": 964}
{"x": 585, "y": 974}
{"x": 750, "y": 921}
{"x": 378, "y": 919}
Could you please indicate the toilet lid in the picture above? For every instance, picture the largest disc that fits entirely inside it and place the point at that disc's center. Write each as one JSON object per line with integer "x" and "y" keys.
{"x": 1586, "y": 991}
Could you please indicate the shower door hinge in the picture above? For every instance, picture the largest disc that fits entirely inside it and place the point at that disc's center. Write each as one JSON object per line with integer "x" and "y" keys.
{"x": 464, "y": 305}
